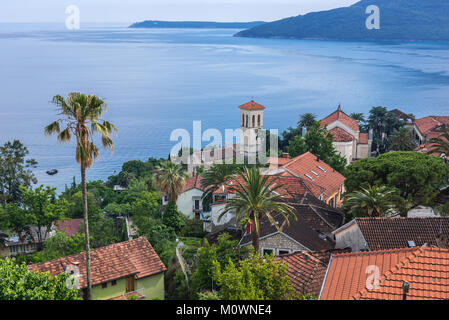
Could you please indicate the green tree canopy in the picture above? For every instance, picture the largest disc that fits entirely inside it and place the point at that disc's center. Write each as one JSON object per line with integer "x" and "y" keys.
{"x": 18, "y": 283}
{"x": 416, "y": 176}
{"x": 15, "y": 170}
{"x": 402, "y": 140}
{"x": 318, "y": 142}
{"x": 222, "y": 251}
{"x": 384, "y": 124}
{"x": 256, "y": 278}
{"x": 38, "y": 208}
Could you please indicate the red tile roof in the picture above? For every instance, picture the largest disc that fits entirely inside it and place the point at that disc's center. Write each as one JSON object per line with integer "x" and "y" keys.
{"x": 426, "y": 271}
{"x": 252, "y": 106}
{"x": 339, "y": 115}
{"x": 428, "y": 124}
{"x": 363, "y": 138}
{"x": 70, "y": 227}
{"x": 192, "y": 182}
{"x": 389, "y": 233}
{"x": 302, "y": 166}
{"x": 290, "y": 186}
{"x": 134, "y": 257}
{"x": 346, "y": 275}
{"x": 315, "y": 220}
{"x": 340, "y": 135}
{"x": 305, "y": 270}
{"x": 424, "y": 268}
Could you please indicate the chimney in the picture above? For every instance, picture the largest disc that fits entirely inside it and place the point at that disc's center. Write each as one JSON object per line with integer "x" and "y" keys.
{"x": 318, "y": 158}
{"x": 405, "y": 289}
{"x": 285, "y": 155}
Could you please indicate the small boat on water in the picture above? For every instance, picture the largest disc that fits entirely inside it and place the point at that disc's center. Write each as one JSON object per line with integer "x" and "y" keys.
{"x": 52, "y": 172}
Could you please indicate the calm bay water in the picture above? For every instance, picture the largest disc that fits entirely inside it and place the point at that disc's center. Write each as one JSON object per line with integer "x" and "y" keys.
{"x": 157, "y": 80}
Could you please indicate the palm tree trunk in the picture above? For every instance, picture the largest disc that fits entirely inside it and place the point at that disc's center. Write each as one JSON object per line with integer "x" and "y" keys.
{"x": 255, "y": 240}
{"x": 86, "y": 223}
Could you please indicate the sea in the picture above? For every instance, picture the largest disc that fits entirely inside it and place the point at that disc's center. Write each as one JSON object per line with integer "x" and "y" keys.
{"x": 155, "y": 81}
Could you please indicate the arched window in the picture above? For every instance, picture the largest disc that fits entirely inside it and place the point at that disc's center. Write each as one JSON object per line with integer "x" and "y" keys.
{"x": 243, "y": 120}
{"x": 258, "y": 120}
{"x": 254, "y": 121}
{"x": 247, "y": 124}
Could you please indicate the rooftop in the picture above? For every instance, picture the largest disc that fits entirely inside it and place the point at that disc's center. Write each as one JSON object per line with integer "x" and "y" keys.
{"x": 130, "y": 258}
{"x": 351, "y": 275}
{"x": 315, "y": 172}
{"x": 390, "y": 233}
{"x": 339, "y": 115}
{"x": 252, "y": 105}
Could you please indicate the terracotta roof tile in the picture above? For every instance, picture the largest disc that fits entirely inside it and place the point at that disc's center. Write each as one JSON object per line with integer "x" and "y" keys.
{"x": 363, "y": 137}
{"x": 389, "y": 233}
{"x": 119, "y": 260}
{"x": 70, "y": 227}
{"x": 306, "y": 270}
{"x": 426, "y": 271}
{"x": 428, "y": 124}
{"x": 252, "y": 106}
{"x": 307, "y": 167}
{"x": 315, "y": 220}
{"x": 192, "y": 182}
{"x": 340, "y": 135}
{"x": 339, "y": 115}
{"x": 347, "y": 272}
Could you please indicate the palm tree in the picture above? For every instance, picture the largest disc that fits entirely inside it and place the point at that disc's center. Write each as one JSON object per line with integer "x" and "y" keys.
{"x": 213, "y": 178}
{"x": 441, "y": 144}
{"x": 358, "y": 116}
{"x": 80, "y": 115}
{"x": 402, "y": 140}
{"x": 306, "y": 120}
{"x": 171, "y": 179}
{"x": 255, "y": 199}
{"x": 371, "y": 201}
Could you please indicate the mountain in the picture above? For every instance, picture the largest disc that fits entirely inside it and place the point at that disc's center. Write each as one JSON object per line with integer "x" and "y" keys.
{"x": 195, "y": 24}
{"x": 399, "y": 20}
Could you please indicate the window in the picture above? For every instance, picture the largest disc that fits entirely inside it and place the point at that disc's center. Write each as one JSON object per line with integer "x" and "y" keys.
{"x": 315, "y": 173}
{"x": 308, "y": 176}
{"x": 254, "y": 121}
{"x": 104, "y": 285}
{"x": 243, "y": 120}
{"x": 281, "y": 252}
{"x": 258, "y": 120}
{"x": 331, "y": 202}
{"x": 267, "y": 251}
{"x": 321, "y": 168}
{"x": 113, "y": 282}
{"x": 247, "y": 123}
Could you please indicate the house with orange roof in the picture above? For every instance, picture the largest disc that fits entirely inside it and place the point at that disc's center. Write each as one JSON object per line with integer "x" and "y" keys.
{"x": 427, "y": 128}
{"x": 310, "y": 231}
{"x": 418, "y": 273}
{"x": 347, "y": 138}
{"x": 189, "y": 200}
{"x": 120, "y": 270}
{"x": 325, "y": 183}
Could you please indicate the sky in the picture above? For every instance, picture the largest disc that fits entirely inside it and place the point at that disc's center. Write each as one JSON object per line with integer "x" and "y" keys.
{"x": 129, "y": 11}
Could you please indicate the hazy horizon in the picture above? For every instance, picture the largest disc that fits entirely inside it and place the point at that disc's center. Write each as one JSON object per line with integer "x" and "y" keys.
{"x": 117, "y": 11}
